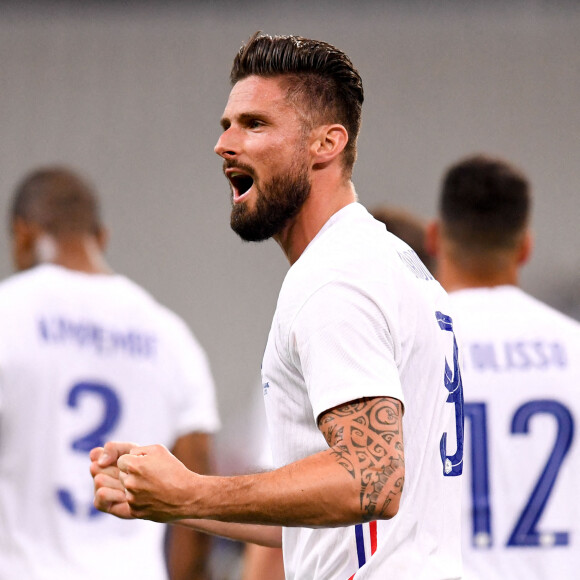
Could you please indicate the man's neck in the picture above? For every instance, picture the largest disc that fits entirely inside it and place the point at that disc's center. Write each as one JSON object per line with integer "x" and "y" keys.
{"x": 452, "y": 277}
{"x": 78, "y": 253}
{"x": 320, "y": 206}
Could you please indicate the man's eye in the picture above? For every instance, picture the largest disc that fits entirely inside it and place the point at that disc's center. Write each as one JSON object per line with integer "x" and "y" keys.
{"x": 255, "y": 124}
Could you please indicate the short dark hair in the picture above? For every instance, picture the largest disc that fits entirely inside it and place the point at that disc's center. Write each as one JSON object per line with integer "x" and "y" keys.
{"x": 319, "y": 74}
{"x": 58, "y": 200}
{"x": 485, "y": 204}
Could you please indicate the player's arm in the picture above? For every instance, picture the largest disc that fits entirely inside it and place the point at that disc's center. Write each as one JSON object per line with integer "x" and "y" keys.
{"x": 187, "y": 549}
{"x": 358, "y": 478}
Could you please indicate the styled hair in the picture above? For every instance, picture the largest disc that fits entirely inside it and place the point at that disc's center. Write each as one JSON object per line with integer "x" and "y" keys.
{"x": 58, "y": 200}
{"x": 408, "y": 227}
{"x": 485, "y": 204}
{"x": 318, "y": 76}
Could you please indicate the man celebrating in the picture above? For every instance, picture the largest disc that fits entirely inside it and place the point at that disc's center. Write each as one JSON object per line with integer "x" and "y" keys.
{"x": 361, "y": 383}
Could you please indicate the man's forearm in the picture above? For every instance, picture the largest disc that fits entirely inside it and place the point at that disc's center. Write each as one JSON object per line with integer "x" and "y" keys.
{"x": 314, "y": 492}
{"x": 359, "y": 478}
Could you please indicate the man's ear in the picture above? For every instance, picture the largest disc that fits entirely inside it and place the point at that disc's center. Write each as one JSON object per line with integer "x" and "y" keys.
{"x": 525, "y": 249}
{"x": 24, "y": 237}
{"x": 24, "y": 233}
{"x": 328, "y": 143}
{"x": 433, "y": 238}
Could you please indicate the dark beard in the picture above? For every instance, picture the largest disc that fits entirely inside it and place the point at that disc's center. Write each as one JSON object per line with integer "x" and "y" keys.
{"x": 276, "y": 203}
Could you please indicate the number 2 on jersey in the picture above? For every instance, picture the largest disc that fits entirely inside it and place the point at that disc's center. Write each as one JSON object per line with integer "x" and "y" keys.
{"x": 452, "y": 464}
{"x": 98, "y": 434}
{"x": 524, "y": 533}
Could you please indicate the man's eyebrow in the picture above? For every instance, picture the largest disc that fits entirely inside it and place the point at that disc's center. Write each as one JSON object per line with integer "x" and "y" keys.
{"x": 242, "y": 118}
{"x": 251, "y": 115}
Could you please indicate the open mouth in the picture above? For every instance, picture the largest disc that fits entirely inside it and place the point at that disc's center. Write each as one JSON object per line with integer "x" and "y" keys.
{"x": 241, "y": 183}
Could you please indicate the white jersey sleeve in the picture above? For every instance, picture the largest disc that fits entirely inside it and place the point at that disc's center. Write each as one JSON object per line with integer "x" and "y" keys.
{"x": 338, "y": 369}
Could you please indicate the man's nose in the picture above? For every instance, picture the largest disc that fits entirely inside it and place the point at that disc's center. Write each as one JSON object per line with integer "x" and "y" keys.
{"x": 225, "y": 145}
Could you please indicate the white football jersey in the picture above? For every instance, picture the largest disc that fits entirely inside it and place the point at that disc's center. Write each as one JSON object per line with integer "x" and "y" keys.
{"x": 360, "y": 316}
{"x": 521, "y": 513}
{"x": 85, "y": 359}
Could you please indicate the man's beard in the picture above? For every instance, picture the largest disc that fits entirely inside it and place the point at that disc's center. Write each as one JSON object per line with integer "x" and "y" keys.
{"x": 277, "y": 202}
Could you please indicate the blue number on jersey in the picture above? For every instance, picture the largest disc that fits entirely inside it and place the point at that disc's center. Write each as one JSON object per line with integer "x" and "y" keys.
{"x": 98, "y": 434}
{"x": 452, "y": 464}
{"x": 111, "y": 412}
{"x": 525, "y": 532}
{"x": 481, "y": 511}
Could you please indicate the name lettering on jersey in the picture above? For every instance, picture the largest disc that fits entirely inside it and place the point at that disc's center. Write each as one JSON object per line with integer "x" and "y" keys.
{"x": 516, "y": 356}
{"x": 103, "y": 341}
{"x": 413, "y": 262}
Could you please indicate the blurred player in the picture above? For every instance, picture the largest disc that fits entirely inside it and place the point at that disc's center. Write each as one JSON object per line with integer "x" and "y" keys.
{"x": 521, "y": 516}
{"x": 86, "y": 355}
{"x": 361, "y": 349}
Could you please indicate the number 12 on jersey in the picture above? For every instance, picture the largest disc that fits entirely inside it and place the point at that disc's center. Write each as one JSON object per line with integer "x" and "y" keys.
{"x": 525, "y": 532}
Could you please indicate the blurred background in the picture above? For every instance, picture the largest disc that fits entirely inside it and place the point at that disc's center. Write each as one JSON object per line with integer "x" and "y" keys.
{"x": 130, "y": 94}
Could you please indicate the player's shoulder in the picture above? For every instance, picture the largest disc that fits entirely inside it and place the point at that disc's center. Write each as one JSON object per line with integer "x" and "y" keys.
{"x": 145, "y": 300}
{"x": 509, "y": 307}
{"x": 553, "y": 317}
{"x": 21, "y": 284}
{"x": 351, "y": 240}
{"x": 172, "y": 320}
{"x": 357, "y": 261}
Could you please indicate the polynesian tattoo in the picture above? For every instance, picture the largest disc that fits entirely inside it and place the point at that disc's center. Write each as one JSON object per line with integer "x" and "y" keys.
{"x": 365, "y": 437}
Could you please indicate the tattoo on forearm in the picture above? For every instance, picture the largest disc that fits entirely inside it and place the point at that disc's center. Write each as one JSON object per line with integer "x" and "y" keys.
{"x": 365, "y": 438}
